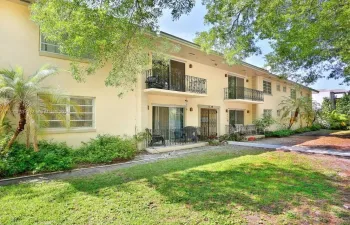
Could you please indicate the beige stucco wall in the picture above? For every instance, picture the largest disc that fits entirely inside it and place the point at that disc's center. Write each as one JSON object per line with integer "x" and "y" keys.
{"x": 19, "y": 45}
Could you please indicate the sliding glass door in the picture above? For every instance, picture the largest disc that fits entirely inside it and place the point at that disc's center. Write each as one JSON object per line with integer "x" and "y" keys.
{"x": 165, "y": 118}
{"x": 170, "y": 76}
{"x": 235, "y": 87}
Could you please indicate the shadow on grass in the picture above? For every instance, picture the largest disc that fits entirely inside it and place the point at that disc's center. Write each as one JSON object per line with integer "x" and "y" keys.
{"x": 264, "y": 187}
{"x": 258, "y": 187}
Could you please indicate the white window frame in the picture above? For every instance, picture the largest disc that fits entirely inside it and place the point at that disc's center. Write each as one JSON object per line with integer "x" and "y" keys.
{"x": 68, "y": 114}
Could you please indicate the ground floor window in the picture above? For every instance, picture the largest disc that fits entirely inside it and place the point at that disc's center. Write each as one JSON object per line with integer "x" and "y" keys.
{"x": 68, "y": 112}
{"x": 236, "y": 117}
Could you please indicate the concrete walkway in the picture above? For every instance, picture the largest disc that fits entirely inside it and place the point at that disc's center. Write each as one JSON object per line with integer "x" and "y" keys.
{"x": 140, "y": 159}
{"x": 292, "y": 148}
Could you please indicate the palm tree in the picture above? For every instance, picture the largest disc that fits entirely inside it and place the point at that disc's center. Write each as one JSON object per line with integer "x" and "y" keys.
{"x": 293, "y": 107}
{"x": 20, "y": 94}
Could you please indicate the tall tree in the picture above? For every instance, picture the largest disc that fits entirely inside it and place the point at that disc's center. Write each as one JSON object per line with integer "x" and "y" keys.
{"x": 308, "y": 37}
{"x": 121, "y": 33}
{"x": 19, "y": 95}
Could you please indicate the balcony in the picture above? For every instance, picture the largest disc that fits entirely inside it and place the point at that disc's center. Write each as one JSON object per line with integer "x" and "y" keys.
{"x": 175, "y": 85}
{"x": 242, "y": 94}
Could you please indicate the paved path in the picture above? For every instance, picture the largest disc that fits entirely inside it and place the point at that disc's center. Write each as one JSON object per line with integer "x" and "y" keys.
{"x": 140, "y": 159}
{"x": 292, "y": 148}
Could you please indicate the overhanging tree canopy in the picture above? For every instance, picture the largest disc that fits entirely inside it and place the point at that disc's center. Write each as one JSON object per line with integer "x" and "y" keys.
{"x": 107, "y": 31}
{"x": 308, "y": 37}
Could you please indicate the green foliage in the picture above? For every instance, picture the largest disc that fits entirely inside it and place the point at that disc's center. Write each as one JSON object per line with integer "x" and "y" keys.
{"x": 343, "y": 104}
{"x": 287, "y": 132}
{"x": 105, "y": 148}
{"x": 58, "y": 156}
{"x": 279, "y": 133}
{"x": 231, "y": 137}
{"x": 308, "y": 38}
{"x": 19, "y": 93}
{"x": 51, "y": 157}
{"x": 120, "y": 33}
{"x": 221, "y": 186}
{"x": 264, "y": 122}
{"x": 292, "y": 108}
{"x": 337, "y": 121}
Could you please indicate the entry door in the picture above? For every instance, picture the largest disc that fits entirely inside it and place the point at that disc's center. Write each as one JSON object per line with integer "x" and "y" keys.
{"x": 208, "y": 122}
{"x": 235, "y": 87}
{"x": 177, "y": 76}
{"x": 236, "y": 117}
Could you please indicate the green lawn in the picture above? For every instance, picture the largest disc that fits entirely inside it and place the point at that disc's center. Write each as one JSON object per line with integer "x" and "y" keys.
{"x": 210, "y": 188}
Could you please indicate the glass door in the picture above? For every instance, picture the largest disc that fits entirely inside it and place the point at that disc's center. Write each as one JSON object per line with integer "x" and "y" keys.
{"x": 167, "y": 121}
{"x": 235, "y": 87}
{"x": 177, "y": 75}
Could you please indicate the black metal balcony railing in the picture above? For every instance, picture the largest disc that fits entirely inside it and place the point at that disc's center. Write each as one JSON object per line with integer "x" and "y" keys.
{"x": 176, "y": 82}
{"x": 244, "y": 94}
{"x": 167, "y": 137}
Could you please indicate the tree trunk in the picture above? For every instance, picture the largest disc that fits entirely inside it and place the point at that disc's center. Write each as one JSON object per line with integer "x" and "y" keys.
{"x": 292, "y": 120}
{"x": 21, "y": 124}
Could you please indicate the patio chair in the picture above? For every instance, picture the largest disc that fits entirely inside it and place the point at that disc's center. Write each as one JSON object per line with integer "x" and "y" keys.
{"x": 240, "y": 128}
{"x": 154, "y": 138}
{"x": 191, "y": 133}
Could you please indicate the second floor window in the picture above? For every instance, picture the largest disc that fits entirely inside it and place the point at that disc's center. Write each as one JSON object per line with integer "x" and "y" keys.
{"x": 267, "y": 87}
{"x": 278, "y": 87}
{"x": 293, "y": 93}
{"x": 48, "y": 46}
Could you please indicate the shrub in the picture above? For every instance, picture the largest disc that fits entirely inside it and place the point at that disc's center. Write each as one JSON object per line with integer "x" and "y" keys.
{"x": 51, "y": 157}
{"x": 18, "y": 159}
{"x": 279, "y": 133}
{"x": 231, "y": 137}
{"x": 302, "y": 130}
{"x": 263, "y": 123}
{"x": 105, "y": 148}
{"x": 315, "y": 127}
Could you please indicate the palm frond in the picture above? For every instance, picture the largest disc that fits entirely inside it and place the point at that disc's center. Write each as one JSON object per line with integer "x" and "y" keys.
{"x": 44, "y": 72}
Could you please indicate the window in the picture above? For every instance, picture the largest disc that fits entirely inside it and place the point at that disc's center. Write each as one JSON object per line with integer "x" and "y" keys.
{"x": 69, "y": 113}
{"x": 293, "y": 93}
{"x": 267, "y": 112}
{"x": 267, "y": 87}
{"x": 278, "y": 112}
{"x": 48, "y": 46}
{"x": 278, "y": 87}
{"x": 284, "y": 89}
{"x": 301, "y": 93}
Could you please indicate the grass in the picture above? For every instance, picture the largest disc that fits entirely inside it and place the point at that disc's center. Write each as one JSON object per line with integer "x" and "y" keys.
{"x": 228, "y": 187}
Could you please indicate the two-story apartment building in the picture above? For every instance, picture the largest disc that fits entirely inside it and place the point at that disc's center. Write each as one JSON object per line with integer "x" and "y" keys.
{"x": 195, "y": 89}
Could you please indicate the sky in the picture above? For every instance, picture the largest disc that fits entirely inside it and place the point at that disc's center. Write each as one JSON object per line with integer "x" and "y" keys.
{"x": 187, "y": 26}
